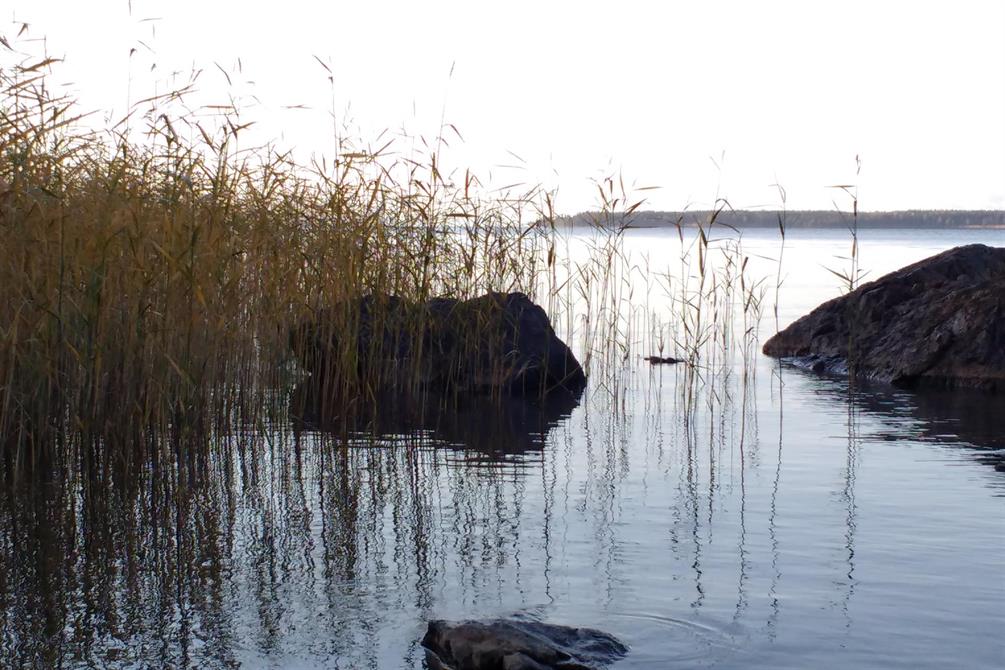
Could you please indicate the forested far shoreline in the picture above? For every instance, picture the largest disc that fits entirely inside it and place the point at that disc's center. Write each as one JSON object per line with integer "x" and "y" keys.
{"x": 930, "y": 219}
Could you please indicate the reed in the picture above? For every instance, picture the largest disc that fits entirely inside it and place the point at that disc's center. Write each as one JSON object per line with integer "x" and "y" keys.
{"x": 151, "y": 274}
{"x": 151, "y": 278}
{"x": 150, "y": 285}
{"x": 852, "y": 275}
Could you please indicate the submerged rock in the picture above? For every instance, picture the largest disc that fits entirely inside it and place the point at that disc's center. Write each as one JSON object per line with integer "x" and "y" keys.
{"x": 517, "y": 645}
{"x": 499, "y": 342}
{"x": 937, "y": 323}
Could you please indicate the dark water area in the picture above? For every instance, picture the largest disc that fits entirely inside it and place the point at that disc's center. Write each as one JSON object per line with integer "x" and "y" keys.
{"x": 964, "y": 418}
{"x": 778, "y": 519}
{"x": 481, "y": 427}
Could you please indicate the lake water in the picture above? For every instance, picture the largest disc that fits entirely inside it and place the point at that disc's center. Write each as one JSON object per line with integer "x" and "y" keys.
{"x": 785, "y": 522}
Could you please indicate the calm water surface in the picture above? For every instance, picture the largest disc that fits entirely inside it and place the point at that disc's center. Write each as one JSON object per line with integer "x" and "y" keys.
{"x": 786, "y": 523}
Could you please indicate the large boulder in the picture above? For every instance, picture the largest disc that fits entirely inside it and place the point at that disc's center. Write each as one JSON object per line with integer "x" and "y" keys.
{"x": 937, "y": 323}
{"x": 497, "y": 343}
{"x": 517, "y": 645}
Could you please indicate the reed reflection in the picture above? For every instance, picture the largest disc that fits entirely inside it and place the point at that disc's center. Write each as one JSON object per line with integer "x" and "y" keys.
{"x": 332, "y": 543}
{"x": 268, "y": 542}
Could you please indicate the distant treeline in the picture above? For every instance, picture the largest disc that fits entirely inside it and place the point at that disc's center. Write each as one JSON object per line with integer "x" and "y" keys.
{"x": 798, "y": 219}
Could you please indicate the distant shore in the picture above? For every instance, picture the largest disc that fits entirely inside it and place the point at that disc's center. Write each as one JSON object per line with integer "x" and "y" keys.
{"x": 803, "y": 219}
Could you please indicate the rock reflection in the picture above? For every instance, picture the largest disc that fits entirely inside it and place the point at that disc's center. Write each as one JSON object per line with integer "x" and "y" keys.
{"x": 488, "y": 429}
{"x": 960, "y": 418}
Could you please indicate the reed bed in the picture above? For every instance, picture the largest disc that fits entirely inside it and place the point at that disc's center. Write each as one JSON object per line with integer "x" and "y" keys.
{"x": 152, "y": 272}
{"x": 151, "y": 279}
{"x": 150, "y": 286}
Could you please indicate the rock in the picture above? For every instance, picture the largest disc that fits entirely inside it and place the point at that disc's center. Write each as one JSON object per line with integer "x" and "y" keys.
{"x": 660, "y": 360}
{"x": 499, "y": 342}
{"x": 517, "y": 645}
{"x": 937, "y": 323}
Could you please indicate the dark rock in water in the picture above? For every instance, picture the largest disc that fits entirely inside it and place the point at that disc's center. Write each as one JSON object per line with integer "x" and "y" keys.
{"x": 517, "y": 645}
{"x": 499, "y": 342}
{"x": 937, "y": 323}
{"x": 660, "y": 360}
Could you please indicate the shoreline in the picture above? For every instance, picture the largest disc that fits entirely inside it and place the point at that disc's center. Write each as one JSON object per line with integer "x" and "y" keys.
{"x": 795, "y": 219}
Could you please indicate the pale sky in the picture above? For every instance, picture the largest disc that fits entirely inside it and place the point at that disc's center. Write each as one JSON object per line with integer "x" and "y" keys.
{"x": 698, "y": 98}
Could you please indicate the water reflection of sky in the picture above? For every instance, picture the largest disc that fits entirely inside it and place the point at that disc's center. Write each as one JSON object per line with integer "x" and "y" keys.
{"x": 782, "y": 524}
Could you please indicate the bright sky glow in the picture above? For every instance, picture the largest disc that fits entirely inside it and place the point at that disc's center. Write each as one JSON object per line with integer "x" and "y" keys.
{"x": 699, "y": 98}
